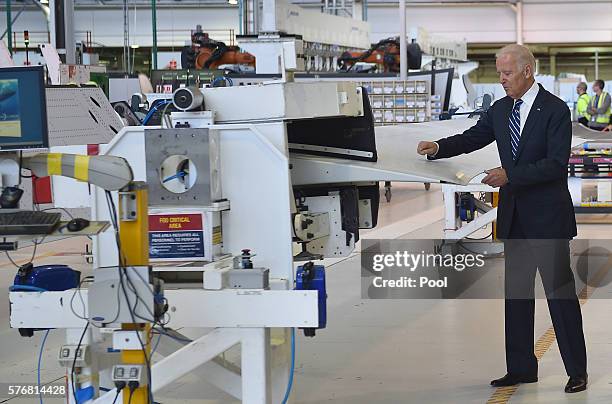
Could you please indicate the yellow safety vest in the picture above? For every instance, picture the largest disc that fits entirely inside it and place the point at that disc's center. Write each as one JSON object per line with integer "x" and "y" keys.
{"x": 582, "y": 105}
{"x": 605, "y": 117}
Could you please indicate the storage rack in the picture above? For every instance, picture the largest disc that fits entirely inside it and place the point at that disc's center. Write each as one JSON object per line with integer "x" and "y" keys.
{"x": 399, "y": 101}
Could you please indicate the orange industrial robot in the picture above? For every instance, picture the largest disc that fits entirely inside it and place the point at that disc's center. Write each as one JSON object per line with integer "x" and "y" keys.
{"x": 384, "y": 54}
{"x": 206, "y": 53}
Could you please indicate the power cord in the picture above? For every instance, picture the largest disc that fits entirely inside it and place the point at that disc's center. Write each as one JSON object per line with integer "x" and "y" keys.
{"x": 72, "y": 371}
{"x": 120, "y": 385}
{"x": 480, "y": 238}
{"x": 133, "y": 385}
{"x": 36, "y": 243}
{"x": 122, "y": 272}
{"x": 42, "y": 345}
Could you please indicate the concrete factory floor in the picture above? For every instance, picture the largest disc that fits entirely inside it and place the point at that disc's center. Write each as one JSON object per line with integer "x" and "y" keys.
{"x": 373, "y": 351}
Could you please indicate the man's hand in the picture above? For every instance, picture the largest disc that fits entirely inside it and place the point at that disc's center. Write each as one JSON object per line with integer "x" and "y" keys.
{"x": 427, "y": 148}
{"x": 608, "y": 128}
{"x": 496, "y": 177}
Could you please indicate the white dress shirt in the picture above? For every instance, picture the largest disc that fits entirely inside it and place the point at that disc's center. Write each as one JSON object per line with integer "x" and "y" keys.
{"x": 528, "y": 100}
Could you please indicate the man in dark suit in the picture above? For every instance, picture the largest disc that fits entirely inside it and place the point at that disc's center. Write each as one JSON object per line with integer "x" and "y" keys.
{"x": 535, "y": 216}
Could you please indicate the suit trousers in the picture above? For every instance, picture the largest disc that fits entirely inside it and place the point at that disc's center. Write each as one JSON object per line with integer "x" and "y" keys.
{"x": 551, "y": 257}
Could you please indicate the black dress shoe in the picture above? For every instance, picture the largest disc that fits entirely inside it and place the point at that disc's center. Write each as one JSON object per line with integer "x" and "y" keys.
{"x": 576, "y": 384}
{"x": 511, "y": 380}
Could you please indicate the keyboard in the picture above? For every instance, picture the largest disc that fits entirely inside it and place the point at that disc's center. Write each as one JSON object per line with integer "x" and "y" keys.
{"x": 28, "y": 222}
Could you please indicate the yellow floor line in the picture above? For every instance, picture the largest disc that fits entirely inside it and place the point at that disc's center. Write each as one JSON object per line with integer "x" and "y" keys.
{"x": 502, "y": 395}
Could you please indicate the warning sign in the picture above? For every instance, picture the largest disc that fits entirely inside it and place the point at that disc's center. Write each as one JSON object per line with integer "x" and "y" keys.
{"x": 176, "y": 237}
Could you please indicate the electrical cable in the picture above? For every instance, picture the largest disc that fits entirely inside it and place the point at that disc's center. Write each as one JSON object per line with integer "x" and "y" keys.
{"x": 132, "y": 385}
{"x": 121, "y": 267}
{"x": 78, "y": 290}
{"x": 164, "y": 114}
{"x": 292, "y": 369}
{"x": 144, "y": 282}
{"x": 139, "y": 299}
{"x": 119, "y": 385}
{"x": 480, "y": 238}
{"x": 132, "y": 314}
{"x": 116, "y": 396}
{"x": 36, "y": 243}
{"x": 42, "y": 345}
{"x": 72, "y": 371}
{"x": 156, "y": 344}
{"x": 84, "y": 316}
{"x": 62, "y": 209}
{"x": 154, "y": 109}
{"x": 180, "y": 174}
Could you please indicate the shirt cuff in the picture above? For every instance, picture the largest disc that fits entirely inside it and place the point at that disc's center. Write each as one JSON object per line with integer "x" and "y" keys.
{"x": 437, "y": 150}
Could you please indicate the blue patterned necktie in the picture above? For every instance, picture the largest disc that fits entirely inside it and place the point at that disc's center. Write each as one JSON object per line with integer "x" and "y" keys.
{"x": 515, "y": 127}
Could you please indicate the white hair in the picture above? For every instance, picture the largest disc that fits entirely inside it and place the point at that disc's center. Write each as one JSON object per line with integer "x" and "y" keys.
{"x": 521, "y": 54}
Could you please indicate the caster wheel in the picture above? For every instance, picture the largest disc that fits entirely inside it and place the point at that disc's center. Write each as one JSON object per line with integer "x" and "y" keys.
{"x": 427, "y": 186}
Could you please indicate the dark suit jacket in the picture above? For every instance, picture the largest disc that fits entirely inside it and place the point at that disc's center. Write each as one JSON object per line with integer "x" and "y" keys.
{"x": 537, "y": 193}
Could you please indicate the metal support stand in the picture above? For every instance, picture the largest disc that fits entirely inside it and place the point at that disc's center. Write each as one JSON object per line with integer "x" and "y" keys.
{"x": 402, "y": 38}
{"x": 62, "y": 29}
{"x": 9, "y": 27}
{"x": 134, "y": 236}
{"x": 154, "y": 26}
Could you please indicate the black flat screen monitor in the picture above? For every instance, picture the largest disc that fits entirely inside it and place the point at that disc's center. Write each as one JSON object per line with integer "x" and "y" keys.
{"x": 23, "y": 108}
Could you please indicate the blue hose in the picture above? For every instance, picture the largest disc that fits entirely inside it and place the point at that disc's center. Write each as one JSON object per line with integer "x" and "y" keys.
{"x": 290, "y": 383}
{"x": 153, "y": 110}
{"x": 42, "y": 345}
{"x": 180, "y": 174}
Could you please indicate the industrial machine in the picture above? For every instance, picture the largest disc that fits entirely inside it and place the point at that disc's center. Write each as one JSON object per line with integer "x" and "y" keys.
{"x": 385, "y": 55}
{"x": 196, "y": 173}
{"x": 206, "y": 53}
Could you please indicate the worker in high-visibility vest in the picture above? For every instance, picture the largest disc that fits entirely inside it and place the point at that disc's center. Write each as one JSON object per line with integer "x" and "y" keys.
{"x": 599, "y": 107}
{"x": 582, "y": 115}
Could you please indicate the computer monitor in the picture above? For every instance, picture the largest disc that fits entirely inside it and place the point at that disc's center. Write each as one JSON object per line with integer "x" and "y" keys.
{"x": 23, "y": 108}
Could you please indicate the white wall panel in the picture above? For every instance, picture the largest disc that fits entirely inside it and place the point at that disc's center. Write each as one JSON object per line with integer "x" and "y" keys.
{"x": 583, "y": 21}
{"x": 457, "y": 22}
